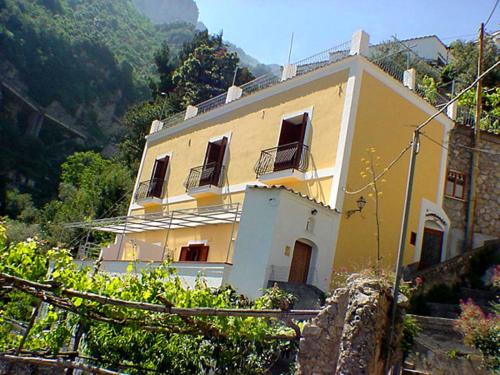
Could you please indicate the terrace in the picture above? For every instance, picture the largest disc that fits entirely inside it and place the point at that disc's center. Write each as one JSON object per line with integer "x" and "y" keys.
{"x": 395, "y": 58}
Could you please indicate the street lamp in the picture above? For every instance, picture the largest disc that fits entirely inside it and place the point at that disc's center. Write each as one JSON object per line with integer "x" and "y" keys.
{"x": 361, "y": 202}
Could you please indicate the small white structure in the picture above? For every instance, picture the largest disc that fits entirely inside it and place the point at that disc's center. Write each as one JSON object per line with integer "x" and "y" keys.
{"x": 283, "y": 236}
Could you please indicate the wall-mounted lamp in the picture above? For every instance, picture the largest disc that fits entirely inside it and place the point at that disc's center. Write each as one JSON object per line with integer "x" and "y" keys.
{"x": 361, "y": 203}
{"x": 314, "y": 211}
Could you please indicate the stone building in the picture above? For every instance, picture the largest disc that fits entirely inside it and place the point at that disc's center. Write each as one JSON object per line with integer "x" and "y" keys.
{"x": 487, "y": 219}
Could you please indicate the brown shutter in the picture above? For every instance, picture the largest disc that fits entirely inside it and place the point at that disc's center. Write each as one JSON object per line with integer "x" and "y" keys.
{"x": 158, "y": 177}
{"x": 220, "y": 161}
{"x": 184, "y": 253}
{"x": 203, "y": 254}
{"x": 212, "y": 164}
{"x": 303, "y": 128}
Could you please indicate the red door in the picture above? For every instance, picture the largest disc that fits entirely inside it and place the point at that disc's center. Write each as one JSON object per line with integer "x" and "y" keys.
{"x": 301, "y": 260}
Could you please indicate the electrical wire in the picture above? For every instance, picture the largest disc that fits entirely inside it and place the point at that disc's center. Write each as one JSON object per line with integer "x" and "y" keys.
{"x": 419, "y": 130}
{"x": 384, "y": 171}
{"x": 491, "y": 14}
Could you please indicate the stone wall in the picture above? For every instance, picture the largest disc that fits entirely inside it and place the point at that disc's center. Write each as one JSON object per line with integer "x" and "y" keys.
{"x": 350, "y": 335}
{"x": 488, "y": 189}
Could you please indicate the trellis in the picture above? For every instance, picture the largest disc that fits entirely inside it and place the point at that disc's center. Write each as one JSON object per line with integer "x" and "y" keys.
{"x": 61, "y": 297}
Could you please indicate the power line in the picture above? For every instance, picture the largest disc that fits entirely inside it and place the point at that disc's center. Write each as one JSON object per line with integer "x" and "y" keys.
{"x": 384, "y": 171}
{"x": 491, "y": 14}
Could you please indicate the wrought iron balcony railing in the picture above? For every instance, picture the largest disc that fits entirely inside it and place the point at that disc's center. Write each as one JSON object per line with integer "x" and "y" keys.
{"x": 205, "y": 175}
{"x": 150, "y": 189}
{"x": 290, "y": 156}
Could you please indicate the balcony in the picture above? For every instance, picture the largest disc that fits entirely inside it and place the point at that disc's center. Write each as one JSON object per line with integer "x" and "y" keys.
{"x": 205, "y": 180}
{"x": 283, "y": 164}
{"x": 150, "y": 193}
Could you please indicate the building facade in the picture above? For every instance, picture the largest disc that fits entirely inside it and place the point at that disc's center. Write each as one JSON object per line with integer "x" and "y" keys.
{"x": 487, "y": 213}
{"x": 271, "y": 181}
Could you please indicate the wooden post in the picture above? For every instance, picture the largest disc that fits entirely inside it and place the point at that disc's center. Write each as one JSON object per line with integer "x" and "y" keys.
{"x": 472, "y": 199}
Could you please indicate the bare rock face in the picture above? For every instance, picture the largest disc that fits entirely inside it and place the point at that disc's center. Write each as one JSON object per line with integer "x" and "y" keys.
{"x": 169, "y": 11}
{"x": 350, "y": 335}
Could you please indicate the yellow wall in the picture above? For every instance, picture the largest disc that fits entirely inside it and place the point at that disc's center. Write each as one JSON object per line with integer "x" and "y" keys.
{"x": 385, "y": 121}
{"x": 254, "y": 128}
{"x": 216, "y": 235}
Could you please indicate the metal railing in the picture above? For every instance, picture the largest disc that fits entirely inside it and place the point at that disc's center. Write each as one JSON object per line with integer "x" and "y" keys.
{"x": 212, "y": 103}
{"x": 260, "y": 83}
{"x": 290, "y": 156}
{"x": 394, "y": 58}
{"x": 153, "y": 188}
{"x": 306, "y": 65}
{"x": 88, "y": 250}
{"x": 323, "y": 58}
{"x": 204, "y": 175}
{"x": 467, "y": 116}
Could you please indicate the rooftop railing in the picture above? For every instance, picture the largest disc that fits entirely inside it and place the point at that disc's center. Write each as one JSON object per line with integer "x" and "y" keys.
{"x": 304, "y": 66}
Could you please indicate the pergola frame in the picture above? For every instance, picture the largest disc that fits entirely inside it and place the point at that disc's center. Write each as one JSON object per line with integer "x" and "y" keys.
{"x": 176, "y": 219}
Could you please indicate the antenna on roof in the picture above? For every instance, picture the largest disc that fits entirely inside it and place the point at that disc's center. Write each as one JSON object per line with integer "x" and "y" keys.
{"x": 290, "y": 50}
{"x": 235, "y": 73}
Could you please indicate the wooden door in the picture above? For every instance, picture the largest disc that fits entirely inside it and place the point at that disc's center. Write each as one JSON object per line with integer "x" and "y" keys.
{"x": 432, "y": 246}
{"x": 300, "y": 263}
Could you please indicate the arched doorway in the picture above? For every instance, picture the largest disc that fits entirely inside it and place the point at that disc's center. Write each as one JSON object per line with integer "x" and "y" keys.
{"x": 432, "y": 241}
{"x": 301, "y": 260}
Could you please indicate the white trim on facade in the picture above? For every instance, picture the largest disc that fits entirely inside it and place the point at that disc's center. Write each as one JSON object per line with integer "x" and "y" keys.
{"x": 405, "y": 92}
{"x": 238, "y": 188}
{"x": 132, "y": 204}
{"x": 443, "y": 167}
{"x": 245, "y": 101}
{"x": 288, "y": 116}
{"x": 198, "y": 242}
{"x": 346, "y": 135}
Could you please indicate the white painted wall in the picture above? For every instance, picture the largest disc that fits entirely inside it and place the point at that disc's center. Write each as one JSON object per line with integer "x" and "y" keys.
{"x": 214, "y": 274}
{"x": 271, "y": 220}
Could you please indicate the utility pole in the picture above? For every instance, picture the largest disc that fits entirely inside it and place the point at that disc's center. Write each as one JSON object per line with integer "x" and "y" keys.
{"x": 472, "y": 197}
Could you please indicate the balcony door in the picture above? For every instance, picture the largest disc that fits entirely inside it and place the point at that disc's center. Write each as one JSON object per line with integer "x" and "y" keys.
{"x": 158, "y": 177}
{"x": 290, "y": 143}
{"x": 213, "y": 163}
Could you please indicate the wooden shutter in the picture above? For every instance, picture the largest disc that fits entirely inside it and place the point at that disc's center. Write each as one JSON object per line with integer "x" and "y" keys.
{"x": 212, "y": 165}
{"x": 203, "y": 254}
{"x": 184, "y": 254}
{"x": 158, "y": 177}
{"x": 220, "y": 161}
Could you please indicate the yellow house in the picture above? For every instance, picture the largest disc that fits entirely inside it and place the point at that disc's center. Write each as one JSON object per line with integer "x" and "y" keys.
{"x": 271, "y": 181}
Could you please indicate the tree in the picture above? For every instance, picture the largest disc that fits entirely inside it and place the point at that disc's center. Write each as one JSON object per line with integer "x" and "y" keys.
{"x": 90, "y": 187}
{"x": 463, "y": 64}
{"x": 206, "y": 69}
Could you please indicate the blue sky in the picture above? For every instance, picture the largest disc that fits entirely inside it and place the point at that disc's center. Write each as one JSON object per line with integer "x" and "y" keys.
{"x": 263, "y": 27}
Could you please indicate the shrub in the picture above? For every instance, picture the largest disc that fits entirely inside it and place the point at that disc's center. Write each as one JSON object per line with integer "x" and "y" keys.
{"x": 482, "y": 331}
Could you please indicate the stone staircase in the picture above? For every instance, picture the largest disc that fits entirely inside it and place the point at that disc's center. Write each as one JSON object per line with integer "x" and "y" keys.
{"x": 439, "y": 349}
{"x": 308, "y": 296}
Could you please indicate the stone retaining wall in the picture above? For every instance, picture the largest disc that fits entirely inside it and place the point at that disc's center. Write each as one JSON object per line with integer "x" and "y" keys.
{"x": 350, "y": 335}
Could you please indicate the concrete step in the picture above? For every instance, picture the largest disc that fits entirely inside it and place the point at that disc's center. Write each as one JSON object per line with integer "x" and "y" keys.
{"x": 407, "y": 371}
{"x": 480, "y": 297}
{"x": 308, "y": 296}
